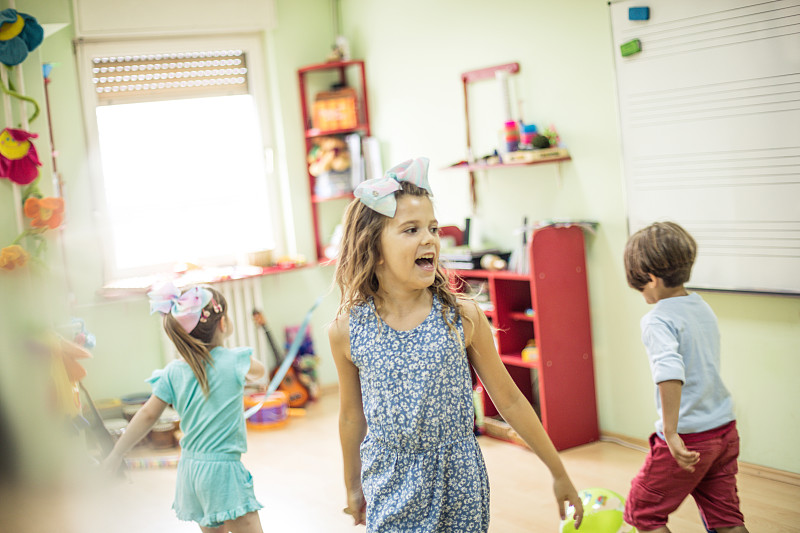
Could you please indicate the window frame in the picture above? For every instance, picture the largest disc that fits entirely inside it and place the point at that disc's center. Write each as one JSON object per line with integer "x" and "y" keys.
{"x": 253, "y": 46}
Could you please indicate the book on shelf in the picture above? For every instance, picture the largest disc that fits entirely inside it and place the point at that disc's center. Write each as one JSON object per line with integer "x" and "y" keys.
{"x": 353, "y": 141}
{"x": 457, "y": 265}
{"x": 462, "y": 258}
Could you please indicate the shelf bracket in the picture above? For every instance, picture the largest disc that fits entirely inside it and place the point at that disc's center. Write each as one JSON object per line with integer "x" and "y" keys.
{"x": 559, "y": 180}
{"x": 467, "y": 78}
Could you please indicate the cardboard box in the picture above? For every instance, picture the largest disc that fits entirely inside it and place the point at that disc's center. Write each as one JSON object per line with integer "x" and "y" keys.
{"x": 335, "y": 110}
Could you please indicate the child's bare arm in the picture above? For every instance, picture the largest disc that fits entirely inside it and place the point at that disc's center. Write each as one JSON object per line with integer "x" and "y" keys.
{"x": 352, "y": 423}
{"x": 256, "y": 371}
{"x": 670, "y": 392}
{"x": 514, "y": 407}
{"x": 139, "y": 426}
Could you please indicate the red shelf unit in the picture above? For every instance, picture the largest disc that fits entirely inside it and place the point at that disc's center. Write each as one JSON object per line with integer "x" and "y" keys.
{"x": 556, "y": 291}
{"x": 340, "y": 70}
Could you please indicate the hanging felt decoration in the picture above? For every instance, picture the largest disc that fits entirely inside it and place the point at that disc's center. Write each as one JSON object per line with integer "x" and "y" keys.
{"x": 13, "y": 256}
{"x": 18, "y": 157}
{"x": 20, "y": 34}
{"x": 45, "y": 212}
{"x": 11, "y": 92}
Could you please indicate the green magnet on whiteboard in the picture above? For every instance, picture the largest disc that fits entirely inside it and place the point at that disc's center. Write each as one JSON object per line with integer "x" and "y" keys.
{"x": 633, "y": 46}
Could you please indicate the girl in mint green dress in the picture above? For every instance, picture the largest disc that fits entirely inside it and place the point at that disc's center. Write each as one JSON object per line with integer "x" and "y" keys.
{"x": 206, "y": 388}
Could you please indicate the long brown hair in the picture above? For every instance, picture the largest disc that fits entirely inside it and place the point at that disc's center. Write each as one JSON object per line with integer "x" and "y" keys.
{"x": 361, "y": 251}
{"x": 194, "y": 347}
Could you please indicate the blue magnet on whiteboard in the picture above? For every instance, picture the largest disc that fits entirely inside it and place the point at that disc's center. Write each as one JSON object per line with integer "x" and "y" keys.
{"x": 638, "y": 13}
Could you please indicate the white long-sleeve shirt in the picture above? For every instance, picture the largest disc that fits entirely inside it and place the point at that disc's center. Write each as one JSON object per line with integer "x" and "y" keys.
{"x": 682, "y": 340}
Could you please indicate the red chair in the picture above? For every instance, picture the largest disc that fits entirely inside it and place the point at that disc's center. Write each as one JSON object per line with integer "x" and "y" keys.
{"x": 454, "y": 232}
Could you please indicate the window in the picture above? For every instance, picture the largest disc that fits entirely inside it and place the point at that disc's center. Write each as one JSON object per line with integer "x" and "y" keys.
{"x": 180, "y": 154}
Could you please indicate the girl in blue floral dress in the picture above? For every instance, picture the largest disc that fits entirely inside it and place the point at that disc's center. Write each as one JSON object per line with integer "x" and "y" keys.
{"x": 206, "y": 387}
{"x": 403, "y": 344}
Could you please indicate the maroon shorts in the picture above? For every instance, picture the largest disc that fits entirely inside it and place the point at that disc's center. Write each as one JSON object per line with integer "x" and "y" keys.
{"x": 662, "y": 485}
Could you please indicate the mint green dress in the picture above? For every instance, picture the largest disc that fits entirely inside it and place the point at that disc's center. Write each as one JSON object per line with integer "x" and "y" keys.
{"x": 212, "y": 485}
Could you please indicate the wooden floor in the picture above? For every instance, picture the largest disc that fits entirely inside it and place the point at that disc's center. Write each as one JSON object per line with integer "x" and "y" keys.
{"x": 297, "y": 472}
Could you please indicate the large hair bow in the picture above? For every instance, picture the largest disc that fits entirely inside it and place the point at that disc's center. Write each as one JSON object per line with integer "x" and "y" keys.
{"x": 186, "y": 307}
{"x": 378, "y": 193}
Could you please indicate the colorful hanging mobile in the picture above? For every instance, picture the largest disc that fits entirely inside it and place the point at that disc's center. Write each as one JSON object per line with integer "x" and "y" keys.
{"x": 45, "y": 212}
{"x": 13, "y": 256}
{"x": 20, "y": 34}
{"x": 18, "y": 157}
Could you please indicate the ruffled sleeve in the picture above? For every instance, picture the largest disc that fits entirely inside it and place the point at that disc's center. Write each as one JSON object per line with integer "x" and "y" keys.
{"x": 162, "y": 387}
{"x": 242, "y": 362}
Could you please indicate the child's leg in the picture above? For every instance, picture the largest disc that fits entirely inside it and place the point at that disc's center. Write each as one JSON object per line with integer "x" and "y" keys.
{"x": 249, "y": 523}
{"x": 716, "y": 495}
{"x": 658, "y": 489}
{"x": 218, "y": 529}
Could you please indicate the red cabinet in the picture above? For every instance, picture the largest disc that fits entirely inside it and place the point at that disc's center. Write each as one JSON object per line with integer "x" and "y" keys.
{"x": 550, "y": 305}
{"x": 333, "y": 95}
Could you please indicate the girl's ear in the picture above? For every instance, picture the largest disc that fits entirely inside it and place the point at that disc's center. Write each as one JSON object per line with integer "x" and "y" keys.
{"x": 654, "y": 281}
{"x": 223, "y": 324}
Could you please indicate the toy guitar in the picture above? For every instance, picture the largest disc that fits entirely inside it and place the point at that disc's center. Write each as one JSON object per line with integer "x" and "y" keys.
{"x": 295, "y": 391}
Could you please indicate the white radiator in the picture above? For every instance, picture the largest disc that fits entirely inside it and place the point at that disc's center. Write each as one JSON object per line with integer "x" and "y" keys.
{"x": 242, "y": 295}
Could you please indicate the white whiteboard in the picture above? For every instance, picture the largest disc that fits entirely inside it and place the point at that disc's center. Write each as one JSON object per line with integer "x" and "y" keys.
{"x": 710, "y": 122}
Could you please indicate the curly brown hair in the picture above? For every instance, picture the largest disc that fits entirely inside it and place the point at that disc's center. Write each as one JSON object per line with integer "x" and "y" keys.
{"x": 663, "y": 249}
{"x": 360, "y": 253}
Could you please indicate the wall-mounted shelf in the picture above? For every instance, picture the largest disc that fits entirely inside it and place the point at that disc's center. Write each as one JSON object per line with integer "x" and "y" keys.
{"x": 516, "y": 159}
{"x": 463, "y": 165}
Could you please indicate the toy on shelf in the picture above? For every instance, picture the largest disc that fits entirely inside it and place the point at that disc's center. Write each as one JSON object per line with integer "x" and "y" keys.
{"x": 335, "y": 109}
{"x": 329, "y": 163}
{"x": 328, "y": 153}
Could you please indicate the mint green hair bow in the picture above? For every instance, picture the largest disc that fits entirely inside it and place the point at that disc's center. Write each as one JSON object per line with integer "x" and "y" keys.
{"x": 378, "y": 193}
{"x": 186, "y": 307}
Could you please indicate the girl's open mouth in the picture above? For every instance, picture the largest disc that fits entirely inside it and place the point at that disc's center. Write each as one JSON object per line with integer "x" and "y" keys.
{"x": 426, "y": 261}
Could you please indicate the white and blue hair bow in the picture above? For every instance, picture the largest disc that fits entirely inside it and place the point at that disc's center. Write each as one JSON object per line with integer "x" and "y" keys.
{"x": 186, "y": 308}
{"x": 378, "y": 193}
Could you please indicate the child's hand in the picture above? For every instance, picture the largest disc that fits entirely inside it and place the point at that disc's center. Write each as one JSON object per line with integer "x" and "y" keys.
{"x": 357, "y": 507}
{"x": 111, "y": 466}
{"x": 565, "y": 492}
{"x": 686, "y": 459}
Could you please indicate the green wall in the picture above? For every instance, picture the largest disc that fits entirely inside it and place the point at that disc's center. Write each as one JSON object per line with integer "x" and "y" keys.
{"x": 415, "y": 52}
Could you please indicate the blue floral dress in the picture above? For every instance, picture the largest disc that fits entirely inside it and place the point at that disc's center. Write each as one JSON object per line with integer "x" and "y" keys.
{"x": 422, "y": 469}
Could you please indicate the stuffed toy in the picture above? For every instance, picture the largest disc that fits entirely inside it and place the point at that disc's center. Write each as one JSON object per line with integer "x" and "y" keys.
{"x": 328, "y": 153}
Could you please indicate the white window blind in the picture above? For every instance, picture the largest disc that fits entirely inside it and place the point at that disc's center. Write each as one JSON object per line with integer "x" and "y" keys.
{"x": 122, "y": 79}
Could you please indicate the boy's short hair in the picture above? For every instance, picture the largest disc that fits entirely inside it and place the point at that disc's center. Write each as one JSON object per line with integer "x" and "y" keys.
{"x": 663, "y": 249}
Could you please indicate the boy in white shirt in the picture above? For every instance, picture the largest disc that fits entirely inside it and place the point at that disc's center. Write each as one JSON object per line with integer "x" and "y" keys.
{"x": 695, "y": 447}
